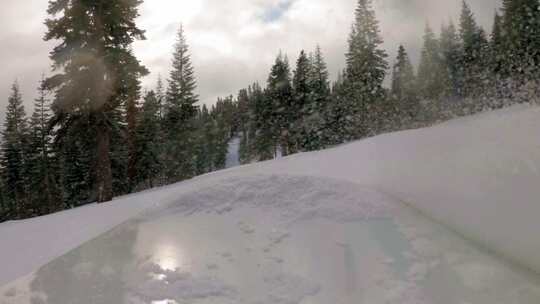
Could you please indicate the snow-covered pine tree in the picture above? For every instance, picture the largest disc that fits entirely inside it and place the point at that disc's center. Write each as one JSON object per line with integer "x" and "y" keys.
{"x": 319, "y": 86}
{"x": 403, "y": 91}
{"x": 365, "y": 73}
{"x": 302, "y": 106}
{"x": 14, "y": 158}
{"x": 451, "y": 54}
{"x": 497, "y": 45}
{"x": 473, "y": 59}
{"x": 180, "y": 113}
{"x": 430, "y": 74}
{"x": 521, "y": 31}
{"x": 496, "y": 64}
{"x": 277, "y": 116}
{"x": 319, "y": 78}
{"x": 93, "y": 51}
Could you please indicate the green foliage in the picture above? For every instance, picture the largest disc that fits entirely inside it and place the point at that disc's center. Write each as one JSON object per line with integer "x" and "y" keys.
{"x": 475, "y": 47}
{"x": 95, "y": 71}
{"x": 180, "y": 114}
{"x": 404, "y": 92}
{"x": 365, "y": 73}
{"x": 14, "y": 155}
{"x": 451, "y": 54}
{"x": 430, "y": 70}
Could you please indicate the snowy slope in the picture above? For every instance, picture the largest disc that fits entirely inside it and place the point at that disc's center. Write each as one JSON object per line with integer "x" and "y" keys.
{"x": 477, "y": 175}
{"x": 270, "y": 239}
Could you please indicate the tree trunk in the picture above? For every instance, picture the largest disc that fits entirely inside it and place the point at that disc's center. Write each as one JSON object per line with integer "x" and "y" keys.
{"x": 103, "y": 169}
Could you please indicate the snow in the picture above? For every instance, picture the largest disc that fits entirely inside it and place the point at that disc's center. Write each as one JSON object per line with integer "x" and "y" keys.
{"x": 310, "y": 240}
{"x": 233, "y": 153}
{"x": 322, "y": 227}
{"x": 478, "y": 175}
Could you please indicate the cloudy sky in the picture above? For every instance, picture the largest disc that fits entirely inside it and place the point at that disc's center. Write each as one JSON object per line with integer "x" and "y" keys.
{"x": 233, "y": 42}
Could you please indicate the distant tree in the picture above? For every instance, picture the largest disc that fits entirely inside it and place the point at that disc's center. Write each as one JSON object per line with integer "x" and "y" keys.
{"x": 44, "y": 196}
{"x": 319, "y": 79}
{"x": 148, "y": 166}
{"x": 337, "y": 117}
{"x": 497, "y": 44}
{"x": 161, "y": 97}
{"x": 473, "y": 60}
{"x": 262, "y": 129}
{"x": 206, "y": 142}
{"x": 180, "y": 113}
{"x": 365, "y": 73}
{"x": 277, "y": 114}
{"x": 244, "y": 110}
{"x": 430, "y": 74}
{"x": 14, "y": 158}
{"x": 319, "y": 85}
{"x": 404, "y": 92}
{"x": 451, "y": 54}
{"x": 302, "y": 106}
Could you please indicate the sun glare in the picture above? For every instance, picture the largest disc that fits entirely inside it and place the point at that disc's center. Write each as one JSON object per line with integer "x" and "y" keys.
{"x": 170, "y": 258}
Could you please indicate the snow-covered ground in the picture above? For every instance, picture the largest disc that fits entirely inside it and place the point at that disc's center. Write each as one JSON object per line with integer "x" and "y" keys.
{"x": 233, "y": 156}
{"x": 323, "y": 227}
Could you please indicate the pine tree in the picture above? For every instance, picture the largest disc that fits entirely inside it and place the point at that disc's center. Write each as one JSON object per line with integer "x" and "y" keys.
{"x": 277, "y": 109}
{"x": 245, "y": 116}
{"x": 130, "y": 92}
{"x": 181, "y": 111}
{"x": 497, "y": 45}
{"x": 222, "y": 124}
{"x": 496, "y": 64}
{"x": 14, "y": 158}
{"x": 161, "y": 97}
{"x": 263, "y": 143}
{"x": 451, "y": 54}
{"x": 474, "y": 52}
{"x": 42, "y": 178}
{"x": 74, "y": 147}
{"x": 319, "y": 86}
{"x": 205, "y": 146}
{"x": 365, "y": 72}
{"x": 404, "y": 93}
{"x": 302, "y": 105}
{"x": 92, "y": 55}
{"x": 521, "y": 31}
{"x": 337, "y": 117}
{"x": 148, "y": 166}
{"x": 4, "y": 207}
{"x": 430, "y": 75}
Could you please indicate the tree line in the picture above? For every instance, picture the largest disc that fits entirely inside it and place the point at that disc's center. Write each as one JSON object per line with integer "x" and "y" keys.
{"x": 95, "y": 134}
{"x": 462, "y": 71}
